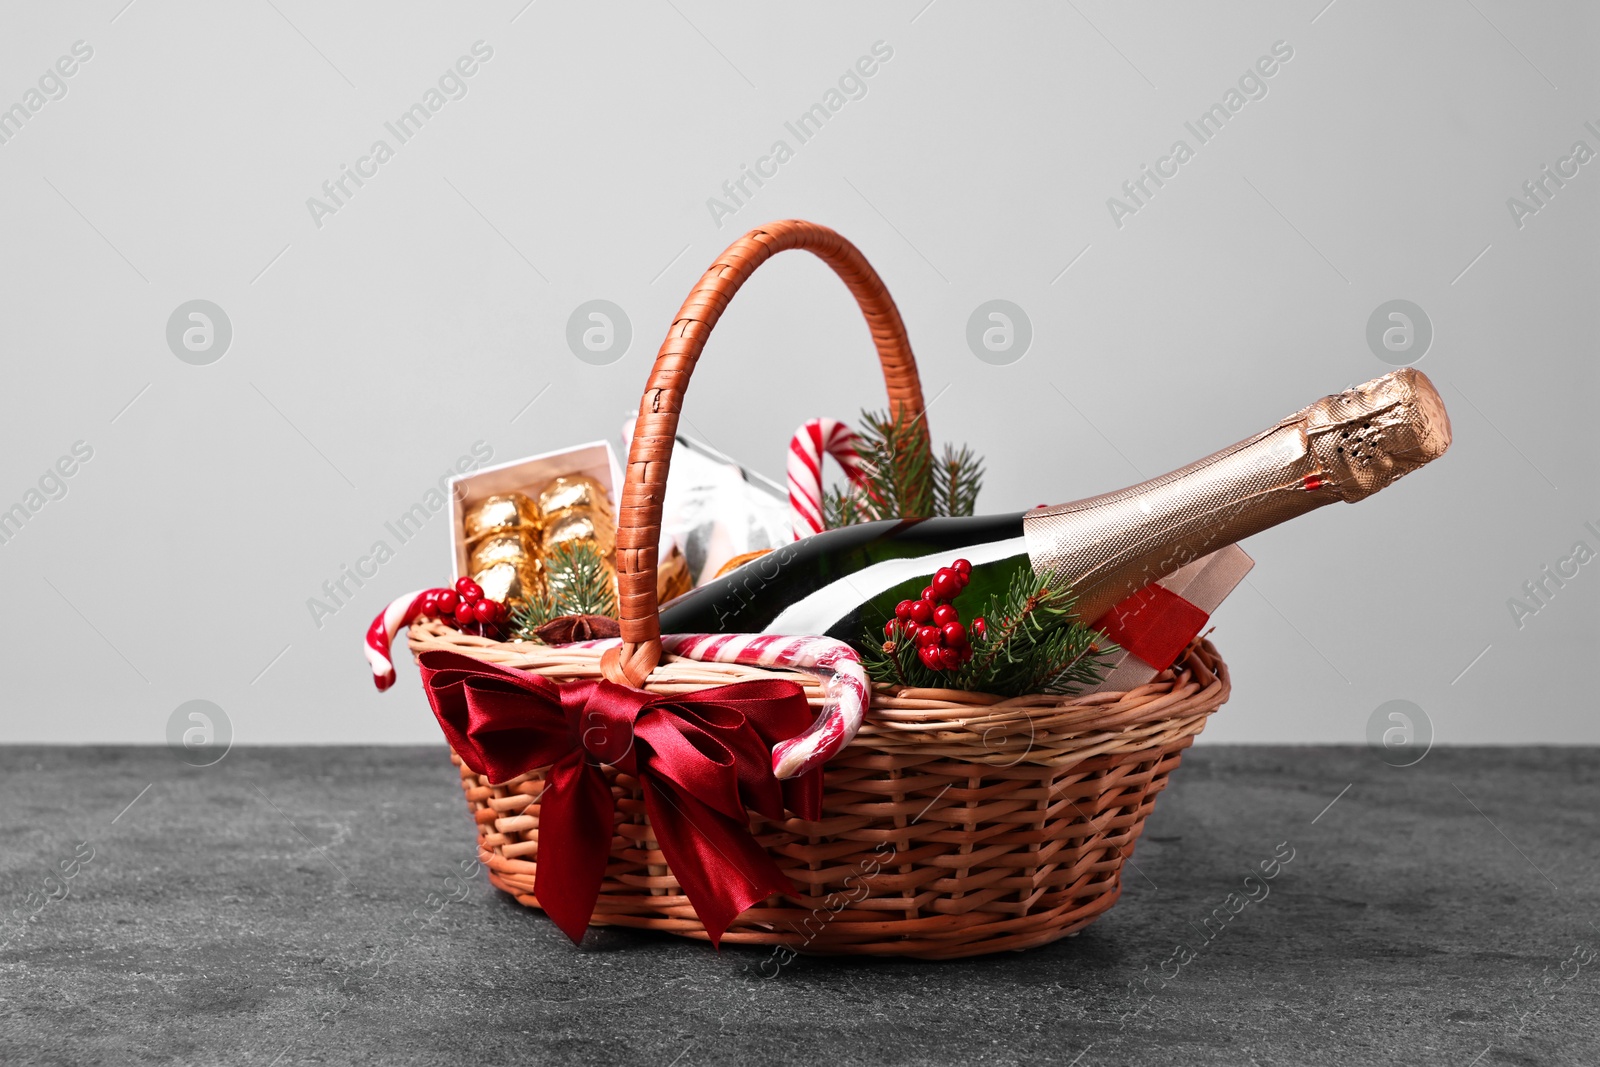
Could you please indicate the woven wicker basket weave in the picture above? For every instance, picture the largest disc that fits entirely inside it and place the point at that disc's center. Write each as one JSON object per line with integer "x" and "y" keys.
{"x": 955, "y": 824}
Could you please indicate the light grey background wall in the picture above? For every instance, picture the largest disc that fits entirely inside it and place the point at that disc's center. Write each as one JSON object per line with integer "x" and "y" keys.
{"x": 372, "y": 345}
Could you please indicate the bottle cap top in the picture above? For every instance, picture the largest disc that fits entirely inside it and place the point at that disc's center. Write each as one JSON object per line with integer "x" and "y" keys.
{"x": 1372, "y": 434}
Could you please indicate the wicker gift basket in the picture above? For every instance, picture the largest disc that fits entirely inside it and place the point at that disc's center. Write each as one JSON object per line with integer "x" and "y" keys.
{"x": 954, "y": 824}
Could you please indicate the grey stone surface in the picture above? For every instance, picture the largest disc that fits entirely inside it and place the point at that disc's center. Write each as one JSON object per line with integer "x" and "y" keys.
{"x": 280, "y": 908}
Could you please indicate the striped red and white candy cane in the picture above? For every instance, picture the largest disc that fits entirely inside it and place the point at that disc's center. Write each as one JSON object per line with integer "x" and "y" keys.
{"x": 811, "y": 442}
{"x": 846, "y": 691}
{"x": 401, "y": 612}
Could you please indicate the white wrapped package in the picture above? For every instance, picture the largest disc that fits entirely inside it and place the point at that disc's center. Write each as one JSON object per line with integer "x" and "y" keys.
{"x": 714, "y": 509}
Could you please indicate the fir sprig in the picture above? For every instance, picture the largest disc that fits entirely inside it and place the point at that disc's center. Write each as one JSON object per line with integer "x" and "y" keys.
{"x": 1033, "y": 644}
{"x": 578, "y": 581}
{"x": 957, "y": 477}
{"x": 893, "y": 661}
{"x": 900, "y": 476}
{"x": 841, "y": 506}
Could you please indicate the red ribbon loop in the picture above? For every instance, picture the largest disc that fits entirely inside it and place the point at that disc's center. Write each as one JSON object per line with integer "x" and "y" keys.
{"x": 703, "y": 761}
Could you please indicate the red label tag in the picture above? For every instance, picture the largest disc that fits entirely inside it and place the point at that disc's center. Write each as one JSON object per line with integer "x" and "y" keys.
{"x": 1154, "y": 624}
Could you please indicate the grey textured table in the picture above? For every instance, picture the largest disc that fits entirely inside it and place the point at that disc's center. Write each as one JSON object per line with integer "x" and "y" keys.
{"x": 282, "y": 907}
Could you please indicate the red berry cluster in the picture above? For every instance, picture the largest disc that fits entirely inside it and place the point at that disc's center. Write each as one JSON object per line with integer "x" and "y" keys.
{"x": 467, "y": 608}
{"x": 943, "y": 643}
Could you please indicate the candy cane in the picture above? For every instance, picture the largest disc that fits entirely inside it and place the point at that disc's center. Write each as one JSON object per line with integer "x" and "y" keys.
{"x": 845, "y": 686}
{"x": 846, "y": 691}
{"x": 380, "y": 635}
{"x": 806, "y": 449}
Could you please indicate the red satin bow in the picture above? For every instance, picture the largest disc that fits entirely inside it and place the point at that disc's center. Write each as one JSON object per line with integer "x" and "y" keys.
{"x": 702, "y": 759}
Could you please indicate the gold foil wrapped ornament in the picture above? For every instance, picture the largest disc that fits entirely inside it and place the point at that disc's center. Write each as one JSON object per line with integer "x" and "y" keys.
{"x": 513, "y": 546}
{"x": 507, "y": 565}
{"x": 574, "y": 492}
{"x": 508, "y": 583}
{"x": 575, "y": 507}
{"x": 502, "y": 532}
{"x": 501, "y": 512}
{"x": 570, "y": 526}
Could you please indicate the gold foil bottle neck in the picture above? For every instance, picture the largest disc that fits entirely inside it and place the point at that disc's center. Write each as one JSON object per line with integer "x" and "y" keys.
{"x": 1369, "y": 436}
{"x": 1343, "y": 447}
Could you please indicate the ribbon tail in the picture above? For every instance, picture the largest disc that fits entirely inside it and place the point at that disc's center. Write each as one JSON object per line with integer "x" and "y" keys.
{"x": 722, "y": 869}
{"x": 1154, "y": 624}
{"x": 575, "y": 827}
{"x": 803, "y": 795}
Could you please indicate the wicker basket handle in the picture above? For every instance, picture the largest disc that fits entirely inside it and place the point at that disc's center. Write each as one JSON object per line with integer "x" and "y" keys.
{"x": 639, "y": 514}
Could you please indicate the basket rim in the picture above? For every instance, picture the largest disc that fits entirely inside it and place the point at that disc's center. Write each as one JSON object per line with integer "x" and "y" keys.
{"x": 1046, "y": 726}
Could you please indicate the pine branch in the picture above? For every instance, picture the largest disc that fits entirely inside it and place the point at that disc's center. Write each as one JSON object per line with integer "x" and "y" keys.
{"x": 578, "y": 581}
{"x": 900, "y": 478}
{"x": 958, "y": 479}
{"x": 1034, "y": 643}
{"x": 894, "y": 471}
{"x": 1067, "y": 661}
{"x": 841, "y": 506}
{"x": 908, "y": 453}
{"x": 1006, "y": 619}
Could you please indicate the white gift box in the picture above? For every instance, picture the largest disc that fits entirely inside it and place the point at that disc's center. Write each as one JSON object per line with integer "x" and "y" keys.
{"x": 597, "y": 459}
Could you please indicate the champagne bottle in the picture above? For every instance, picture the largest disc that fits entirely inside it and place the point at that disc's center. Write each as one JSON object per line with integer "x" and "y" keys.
{"x": 1343, "y": 447}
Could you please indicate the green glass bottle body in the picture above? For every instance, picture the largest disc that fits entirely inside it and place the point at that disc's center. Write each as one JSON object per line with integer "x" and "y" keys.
{"x": 843, "y": 581}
